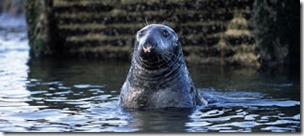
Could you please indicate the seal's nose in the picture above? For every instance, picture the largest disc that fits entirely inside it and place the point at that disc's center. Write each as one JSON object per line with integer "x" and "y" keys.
{"x": 147, "y": 48}
{"x": 149, "y": 45}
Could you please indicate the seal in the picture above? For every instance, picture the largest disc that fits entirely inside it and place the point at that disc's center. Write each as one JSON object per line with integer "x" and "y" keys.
{"x": 158, "y": 76}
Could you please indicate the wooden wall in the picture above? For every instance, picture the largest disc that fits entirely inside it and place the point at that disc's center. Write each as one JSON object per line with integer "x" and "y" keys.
{"x": 211, "y": 31}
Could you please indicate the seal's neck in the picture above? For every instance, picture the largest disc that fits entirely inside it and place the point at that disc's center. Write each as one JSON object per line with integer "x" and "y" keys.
{"x": 156, "y": 75}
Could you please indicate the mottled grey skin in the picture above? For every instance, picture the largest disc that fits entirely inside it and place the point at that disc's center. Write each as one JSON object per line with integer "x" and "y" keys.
{"x": 158, "y": 76}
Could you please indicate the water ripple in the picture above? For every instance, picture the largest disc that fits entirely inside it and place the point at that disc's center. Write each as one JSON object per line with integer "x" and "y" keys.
{"x": 82, "y": 96}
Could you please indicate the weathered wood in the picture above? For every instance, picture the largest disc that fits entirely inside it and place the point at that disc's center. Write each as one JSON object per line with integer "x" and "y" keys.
{"x": 277, "y": 30}
{"x": 211, "y": 31}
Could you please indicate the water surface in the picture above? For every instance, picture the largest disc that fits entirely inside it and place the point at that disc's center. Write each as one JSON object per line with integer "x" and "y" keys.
{"x": 49, "y": 95}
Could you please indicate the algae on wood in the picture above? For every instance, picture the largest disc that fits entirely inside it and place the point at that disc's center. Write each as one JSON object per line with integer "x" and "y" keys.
{"x": 210, "y": 31}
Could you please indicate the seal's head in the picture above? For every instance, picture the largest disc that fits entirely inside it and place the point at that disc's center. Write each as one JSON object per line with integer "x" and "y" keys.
{"x": 155, "y": 42}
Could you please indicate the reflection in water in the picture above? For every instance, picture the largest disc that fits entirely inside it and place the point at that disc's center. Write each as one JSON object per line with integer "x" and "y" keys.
{"x": 69, "y": 83}
{"x": 165, "y": 120}
{"x": 58, "y": 95}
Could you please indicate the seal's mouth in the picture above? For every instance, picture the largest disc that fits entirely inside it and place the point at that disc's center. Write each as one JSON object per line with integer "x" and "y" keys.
{"x": 148, "y": 50}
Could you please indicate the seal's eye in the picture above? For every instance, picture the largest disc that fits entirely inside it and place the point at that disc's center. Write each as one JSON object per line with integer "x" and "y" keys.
{"x": 140, "y": 33}
{"x": 165, "y": 33}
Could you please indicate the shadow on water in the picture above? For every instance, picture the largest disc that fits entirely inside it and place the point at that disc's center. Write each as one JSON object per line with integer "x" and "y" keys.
{"x": 285, "y": 83}
{"x": 58, "y": 95}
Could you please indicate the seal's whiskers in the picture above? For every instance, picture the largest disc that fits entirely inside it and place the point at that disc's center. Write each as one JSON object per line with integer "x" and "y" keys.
{"x": 147, "y": 23}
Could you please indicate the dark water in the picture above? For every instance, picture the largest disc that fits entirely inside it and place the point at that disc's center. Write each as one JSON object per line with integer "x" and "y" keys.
{"x": 81, "y": 95}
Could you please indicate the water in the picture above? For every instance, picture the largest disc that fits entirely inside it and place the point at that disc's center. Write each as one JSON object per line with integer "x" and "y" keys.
{"x": 45, "y": 95}
{"x": 12, "y": 23}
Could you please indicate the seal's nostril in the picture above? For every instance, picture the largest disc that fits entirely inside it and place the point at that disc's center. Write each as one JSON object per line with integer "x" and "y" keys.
{"x": 147, "y": 49}
{"x": 148, "y": 46}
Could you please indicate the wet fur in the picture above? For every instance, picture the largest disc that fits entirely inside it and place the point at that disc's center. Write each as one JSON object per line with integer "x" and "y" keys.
{"x": 163, "y": 82}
